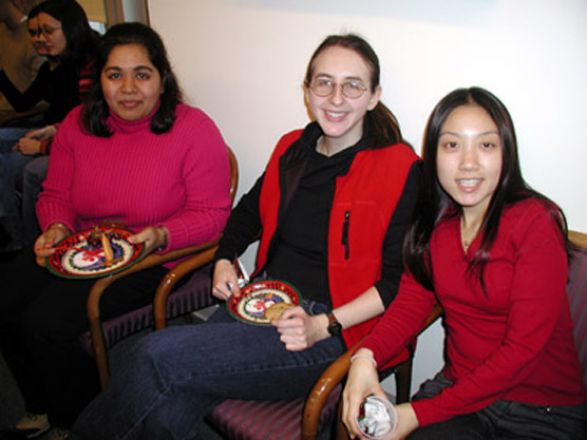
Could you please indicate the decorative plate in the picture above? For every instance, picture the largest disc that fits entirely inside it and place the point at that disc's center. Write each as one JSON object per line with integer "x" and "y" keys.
{"x": 95, "y": 253}
{"x": 257, "y": 297}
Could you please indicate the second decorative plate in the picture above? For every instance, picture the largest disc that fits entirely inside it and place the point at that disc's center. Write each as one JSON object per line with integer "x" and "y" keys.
{"x": 257, "y": 297}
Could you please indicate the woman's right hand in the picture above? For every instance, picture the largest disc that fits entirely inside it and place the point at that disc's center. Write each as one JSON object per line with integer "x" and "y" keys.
{"x": 28, "y": 146}
{"x": 30, "y": 143}
{"x": 45, "y": 242}
{"x": 362, "y": 381}
{"x": 225, "y": 282}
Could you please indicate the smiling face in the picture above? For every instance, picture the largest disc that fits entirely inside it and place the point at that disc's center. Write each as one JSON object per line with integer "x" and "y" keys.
{"x": 130, "y": 82}
{"x": 341, "y": 118}
{"x": 469, "y": 158}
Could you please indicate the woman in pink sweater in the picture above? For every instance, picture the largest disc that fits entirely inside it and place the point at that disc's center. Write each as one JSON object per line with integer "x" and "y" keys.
{"x": 493, "y": 253}
{"x": 133, "y": 154}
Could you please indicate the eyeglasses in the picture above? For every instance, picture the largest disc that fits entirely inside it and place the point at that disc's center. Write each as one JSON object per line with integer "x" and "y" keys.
{"x": 351, "y": 89}
{"x": 45, "y": 30}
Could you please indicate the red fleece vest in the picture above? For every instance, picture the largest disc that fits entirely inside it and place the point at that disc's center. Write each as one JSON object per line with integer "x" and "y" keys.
{"x": 364, "y": 201}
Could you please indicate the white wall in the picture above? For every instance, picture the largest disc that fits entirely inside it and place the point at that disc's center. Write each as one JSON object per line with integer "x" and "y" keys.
{"x": 243, "y": 63}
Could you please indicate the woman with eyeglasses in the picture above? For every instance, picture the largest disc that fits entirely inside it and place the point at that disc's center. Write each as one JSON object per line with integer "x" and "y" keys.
{"x": 60, "y": 31}
{"x": 331, "y": 210}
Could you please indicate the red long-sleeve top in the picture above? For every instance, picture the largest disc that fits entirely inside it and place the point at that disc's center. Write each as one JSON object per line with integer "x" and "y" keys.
{"x": 512, "y": 342}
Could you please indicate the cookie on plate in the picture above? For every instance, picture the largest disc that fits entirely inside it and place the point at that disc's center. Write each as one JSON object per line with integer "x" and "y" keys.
{"x": 274, "y": 312}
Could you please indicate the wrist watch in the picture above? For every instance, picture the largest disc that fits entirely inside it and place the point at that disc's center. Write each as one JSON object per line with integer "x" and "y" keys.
{"x": 334, "y": 327}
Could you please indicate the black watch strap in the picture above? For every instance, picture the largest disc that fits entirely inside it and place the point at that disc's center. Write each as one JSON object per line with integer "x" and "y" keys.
{"x": 334, "y": 327}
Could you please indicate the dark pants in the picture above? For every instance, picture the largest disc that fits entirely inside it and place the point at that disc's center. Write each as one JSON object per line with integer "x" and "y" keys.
{"x": 505, "y": 420}
{"x": 33, "y": 175}
{"x": 41, "y": 319}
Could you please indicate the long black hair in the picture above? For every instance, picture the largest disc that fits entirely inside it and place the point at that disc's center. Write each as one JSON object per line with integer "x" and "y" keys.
{"x": 82, "y": 40}
{"x": 435, "y": 205}
{"x": 96, "y": 110}
{"x": 385, "y": 126}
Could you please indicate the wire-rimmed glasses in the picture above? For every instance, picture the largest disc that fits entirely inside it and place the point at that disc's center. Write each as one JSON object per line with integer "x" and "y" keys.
{"x": 324, "y": 87}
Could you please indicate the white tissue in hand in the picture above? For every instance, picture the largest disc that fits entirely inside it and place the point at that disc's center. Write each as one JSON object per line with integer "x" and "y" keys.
{"x": 376, "y": 421}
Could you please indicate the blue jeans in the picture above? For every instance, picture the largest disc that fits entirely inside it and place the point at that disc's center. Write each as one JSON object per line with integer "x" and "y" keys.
{"x": 175, "y": 377}
{"x": 33, "y": 176}
{"x": 10, "y": 136}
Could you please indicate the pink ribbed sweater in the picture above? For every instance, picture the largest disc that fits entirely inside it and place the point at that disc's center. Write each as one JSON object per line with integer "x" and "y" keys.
{"x": 178, "y": 179}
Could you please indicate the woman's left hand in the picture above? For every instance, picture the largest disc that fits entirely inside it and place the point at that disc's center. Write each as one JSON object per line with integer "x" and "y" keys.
{"x": 362, "y": 381}
{"x": 299, "y": 330}
{"x": 28, "y": 146}
{"x": 152, "y": 237}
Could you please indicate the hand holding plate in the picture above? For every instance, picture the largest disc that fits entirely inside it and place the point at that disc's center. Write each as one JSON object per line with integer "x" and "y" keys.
{"x": 152, "y": 237}
{"x": 45, "y": 242}
{"x": 225, "y": 281}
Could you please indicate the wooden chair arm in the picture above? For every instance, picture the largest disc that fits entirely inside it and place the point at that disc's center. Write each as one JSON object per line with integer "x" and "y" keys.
{"x": 578, "y": 239}
{"x": 317, "y": 398}
{"x": 203, "y": 257}
{"x": 98, "y": 288}
{"x": 331, "y": 377}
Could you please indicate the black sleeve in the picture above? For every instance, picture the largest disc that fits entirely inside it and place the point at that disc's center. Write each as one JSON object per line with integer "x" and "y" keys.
{"x": 243, "y": 226}
{"x": 23, "y": 101}
{"x": 392, "y": 264}
{"x": 64, "y": 94}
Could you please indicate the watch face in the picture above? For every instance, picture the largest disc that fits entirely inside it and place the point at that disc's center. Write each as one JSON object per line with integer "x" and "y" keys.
{"x": 334, "y": 327}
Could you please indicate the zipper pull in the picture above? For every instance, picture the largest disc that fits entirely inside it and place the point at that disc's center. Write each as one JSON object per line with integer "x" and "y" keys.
{"x": 345, "y": 234}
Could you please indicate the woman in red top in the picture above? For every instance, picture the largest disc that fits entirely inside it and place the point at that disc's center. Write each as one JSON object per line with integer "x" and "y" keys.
{"x": 493, "y": 253}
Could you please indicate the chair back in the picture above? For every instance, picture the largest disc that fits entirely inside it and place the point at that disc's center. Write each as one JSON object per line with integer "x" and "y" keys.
{"x": 577, "y": 294}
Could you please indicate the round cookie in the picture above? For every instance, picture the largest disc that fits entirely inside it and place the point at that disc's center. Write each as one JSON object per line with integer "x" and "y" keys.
{"x": 274, "y": 312}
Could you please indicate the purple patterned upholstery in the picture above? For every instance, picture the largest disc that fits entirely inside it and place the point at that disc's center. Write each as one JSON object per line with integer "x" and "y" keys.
{"x": 193, "y": 295}
{"x": 577, "y": 293}
{"x": 266, "y": 420}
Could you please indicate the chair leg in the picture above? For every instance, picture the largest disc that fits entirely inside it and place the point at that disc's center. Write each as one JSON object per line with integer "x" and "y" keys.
{"x": 403, "y": 381}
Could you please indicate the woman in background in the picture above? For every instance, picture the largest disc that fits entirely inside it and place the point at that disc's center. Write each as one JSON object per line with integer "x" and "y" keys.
{"x": 493, "y": 253}
{"x": 60, "y": 31}
{"x": 134, "y": 154}
{"x": 331, "y": 210}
